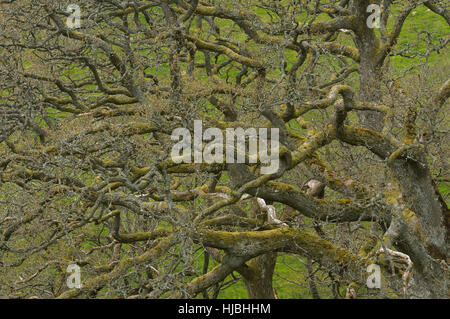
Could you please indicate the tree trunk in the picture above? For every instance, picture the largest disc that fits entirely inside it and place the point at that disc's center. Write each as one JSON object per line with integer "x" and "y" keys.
{"x": 370, "y": 91}
{"x": 369, "y": 69}
{"x": 258, "y": 275}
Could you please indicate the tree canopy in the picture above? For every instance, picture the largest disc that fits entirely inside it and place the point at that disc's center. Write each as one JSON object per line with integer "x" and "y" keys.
{"x": 92, "y": 91}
